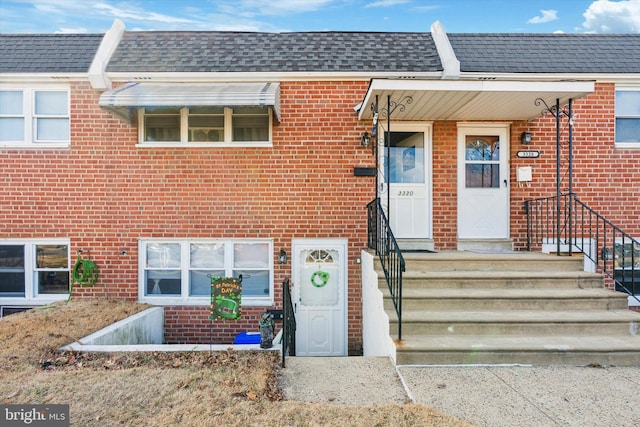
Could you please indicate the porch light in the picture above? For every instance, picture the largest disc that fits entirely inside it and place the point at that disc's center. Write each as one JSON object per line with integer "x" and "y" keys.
{"x": 282, "y": 257}
{"x": 365, "y": 140}
{"x": 525, "y": 137}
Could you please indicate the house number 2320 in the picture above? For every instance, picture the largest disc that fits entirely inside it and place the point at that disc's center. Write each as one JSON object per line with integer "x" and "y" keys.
{"x": 405, "y": 193}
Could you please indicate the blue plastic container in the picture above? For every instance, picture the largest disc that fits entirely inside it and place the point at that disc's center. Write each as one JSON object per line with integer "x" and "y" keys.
{"x": 247, "y": 338}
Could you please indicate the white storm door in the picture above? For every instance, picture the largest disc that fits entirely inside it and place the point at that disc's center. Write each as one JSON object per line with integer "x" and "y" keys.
{"x": 320, "y": 296}
{"x": 483, "y": 181}
{"x": 408, "y": 165}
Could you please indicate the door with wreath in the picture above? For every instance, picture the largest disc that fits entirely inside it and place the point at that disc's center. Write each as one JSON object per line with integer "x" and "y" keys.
{"x": 320, "y": 297}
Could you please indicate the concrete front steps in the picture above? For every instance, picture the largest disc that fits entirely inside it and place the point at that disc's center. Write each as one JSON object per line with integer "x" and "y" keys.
{"x": 523, "y": 308}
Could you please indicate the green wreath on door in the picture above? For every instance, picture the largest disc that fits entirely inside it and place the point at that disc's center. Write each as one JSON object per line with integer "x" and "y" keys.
{"x": 319, "y": 278}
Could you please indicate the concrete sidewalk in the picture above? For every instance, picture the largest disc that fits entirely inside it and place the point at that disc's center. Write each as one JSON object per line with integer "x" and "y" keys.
{"x": 482, "y": 395}
{"x": 529, "y": 396}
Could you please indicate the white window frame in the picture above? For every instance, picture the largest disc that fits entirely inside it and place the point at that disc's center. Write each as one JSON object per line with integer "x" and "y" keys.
{"x": 184, "y": 133}
{"x": 184, "y": 298}
{"x": 626, "y": 88}
{"x": 31, "y": 295}
{"x": 31, "y": 118}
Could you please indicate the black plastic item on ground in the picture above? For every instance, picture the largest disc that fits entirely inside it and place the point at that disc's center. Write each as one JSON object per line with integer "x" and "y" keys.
{"x": 267, "y": 329}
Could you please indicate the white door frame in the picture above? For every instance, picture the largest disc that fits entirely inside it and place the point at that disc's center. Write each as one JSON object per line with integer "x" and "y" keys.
{"x": 502, "y": 229}
{"x": 339, "y": 346}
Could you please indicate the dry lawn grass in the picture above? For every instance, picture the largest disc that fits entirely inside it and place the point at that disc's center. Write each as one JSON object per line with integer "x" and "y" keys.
{"x": 161, "y": 389}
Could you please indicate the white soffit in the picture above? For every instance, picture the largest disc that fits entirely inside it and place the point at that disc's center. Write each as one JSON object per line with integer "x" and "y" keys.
{"x": 135, "y": 95}
{"x": 469, "y": 99}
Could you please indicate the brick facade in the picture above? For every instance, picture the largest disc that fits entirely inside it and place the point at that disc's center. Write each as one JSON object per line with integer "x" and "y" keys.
{"x": 605, "y": 178}
{"x": 104, "y": 193}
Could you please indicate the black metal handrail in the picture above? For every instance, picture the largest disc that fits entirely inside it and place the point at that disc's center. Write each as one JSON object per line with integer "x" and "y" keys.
{"x": 566, "y": 221}
{"x": 380, "y": 237}
{"x": 288, "y": 323}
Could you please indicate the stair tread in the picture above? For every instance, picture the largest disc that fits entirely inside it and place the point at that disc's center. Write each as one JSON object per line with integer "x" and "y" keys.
{"x": 516, "y": 307}
{"x": 512, "y": 316}
{"x": 490, "y": 256}
{"x": 499, "y": 293}
{"x": 507, "y": 343}
{"x": 492, "y": 274}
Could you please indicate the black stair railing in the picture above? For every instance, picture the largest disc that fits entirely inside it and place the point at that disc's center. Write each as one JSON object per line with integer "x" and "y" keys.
{"x": 381, "y": 239}
{"x": 288, "y": 323}
{"x": 573, "y": 226}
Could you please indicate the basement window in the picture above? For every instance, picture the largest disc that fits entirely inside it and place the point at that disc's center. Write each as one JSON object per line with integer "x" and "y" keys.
{"x": 179, "y": 272}
{"x": 34, "y": 271}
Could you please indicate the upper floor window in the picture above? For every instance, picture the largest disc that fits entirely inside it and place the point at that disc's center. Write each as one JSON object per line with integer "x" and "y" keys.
{"x": 34, "y": 117}
{"x": 628, "y": 117}
{"x": 33, "y": 270}
{"x": 206, "y": 126}
{"x": 180, "y": 271}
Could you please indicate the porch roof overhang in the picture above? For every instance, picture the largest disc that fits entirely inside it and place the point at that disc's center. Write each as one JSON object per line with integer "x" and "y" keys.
{"x": 469, "y": 99}
{"x": 127, "y": 98}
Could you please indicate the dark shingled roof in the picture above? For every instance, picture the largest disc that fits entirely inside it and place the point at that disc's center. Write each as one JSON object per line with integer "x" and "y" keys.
{"x": 274, "y": 52}
{"x": 47, "y": 53}
{"x": 547, "y": 53}
{"x": 185, "y": 51}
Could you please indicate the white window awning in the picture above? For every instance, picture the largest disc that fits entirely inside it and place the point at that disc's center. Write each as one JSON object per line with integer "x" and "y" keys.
{"x": 127, "y": 98}
{"x": 469, "y": 99}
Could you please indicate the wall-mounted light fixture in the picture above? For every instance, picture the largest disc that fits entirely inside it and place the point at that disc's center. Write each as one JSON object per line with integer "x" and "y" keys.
{"x": 365, "y": 140}
{"x": 525, "y": 138}
{"x": 282, "y": 257}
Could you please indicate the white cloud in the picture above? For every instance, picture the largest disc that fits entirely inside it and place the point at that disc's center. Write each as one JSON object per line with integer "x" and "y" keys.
{"x": 273, "y": 7}
{"x": 74, "y": 15}
{"x": 125, "y": 11}
{"x": 427, "y": 8}
{"x": 547, "y": 16}
{"x": 386, "y": 3}
{"x": 78, "y": 30}
{"x": 605, "y": 16}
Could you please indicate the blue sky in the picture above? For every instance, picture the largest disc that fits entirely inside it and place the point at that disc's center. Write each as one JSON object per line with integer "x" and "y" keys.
{"x": 540, "y": 16}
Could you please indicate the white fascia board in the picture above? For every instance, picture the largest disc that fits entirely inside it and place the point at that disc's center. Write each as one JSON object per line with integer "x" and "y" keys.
{"x": 42, "y": 77}
{"x": 175, "y": 77}
{"x": 107, "y": 46}
{"x": 600, "y": 77}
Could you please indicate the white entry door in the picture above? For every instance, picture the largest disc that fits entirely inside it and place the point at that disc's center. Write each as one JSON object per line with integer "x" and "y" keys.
{"x": 483, "y": 181}
{"x": 320, "y": 296}
{"x": 405, "y": 159}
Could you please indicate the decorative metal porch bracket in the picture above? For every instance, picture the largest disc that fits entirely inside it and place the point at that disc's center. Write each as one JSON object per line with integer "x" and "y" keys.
{"x": 386, "y": 112}
{"x": 564, "y": 163}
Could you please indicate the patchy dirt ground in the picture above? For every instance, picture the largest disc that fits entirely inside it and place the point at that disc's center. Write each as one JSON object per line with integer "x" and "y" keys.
{"x": 161, "y": 389}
